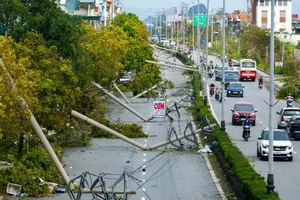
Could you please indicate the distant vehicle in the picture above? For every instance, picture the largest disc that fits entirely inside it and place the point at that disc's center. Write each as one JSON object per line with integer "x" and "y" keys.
{"x": 219, "y": 73}
{"x": 247, "y": 69}
{"x": 284, "y": 116}
{"x": 235, "y": 89}
{"x": 236, "y": 66}
{"x": 241, "y": 110}
{"x": 282, "y": 145}
{"x": 293, "y": 127}
{"x": 230, "y": 78}
{"x": 126, "y": 78}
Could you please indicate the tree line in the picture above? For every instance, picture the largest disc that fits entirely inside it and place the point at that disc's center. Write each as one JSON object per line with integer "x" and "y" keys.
{"x": 53, "y": 58}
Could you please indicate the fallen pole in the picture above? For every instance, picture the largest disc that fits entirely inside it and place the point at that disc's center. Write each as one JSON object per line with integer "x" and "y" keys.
{"x": 40, "y": 133}
{"x": 178, "y": 138}
{"x": 155, "y": 86}
{"x": 172, "y": 66}
{"x": 120, "y": 102}
{"x": 174, "y": 63}
{"x": 105, "y": 128}
{"x": 121, "y": 93}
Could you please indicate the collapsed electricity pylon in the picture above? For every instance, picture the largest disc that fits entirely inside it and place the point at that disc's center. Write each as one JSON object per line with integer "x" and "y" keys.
{"x": 97, "y": 186}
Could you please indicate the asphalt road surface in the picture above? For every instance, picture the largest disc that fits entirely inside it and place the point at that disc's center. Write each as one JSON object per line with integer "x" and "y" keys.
{"x": 286, "y": 173}
{"x": 164, "y": 173}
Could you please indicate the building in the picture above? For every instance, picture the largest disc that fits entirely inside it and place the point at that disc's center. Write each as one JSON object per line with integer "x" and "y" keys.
{"x": 98, "y": 12}
{"x": 261, "y": 14}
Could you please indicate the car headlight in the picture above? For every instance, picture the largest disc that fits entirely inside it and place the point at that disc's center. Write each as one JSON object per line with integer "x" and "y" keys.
{"x": 241, "y": 91}
{"x": 290, "y": 146}
{"x": 264, "y": 145}
{"x": 252, "y": 115}
{"x": 229, "y": 91}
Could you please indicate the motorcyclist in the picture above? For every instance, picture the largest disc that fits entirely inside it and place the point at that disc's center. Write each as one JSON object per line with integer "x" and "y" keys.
{"x": 247, "y": 122}
{"x": 289, "y": 99}
{"x": 260, "y": 81}
{"x": 212, "y": 88}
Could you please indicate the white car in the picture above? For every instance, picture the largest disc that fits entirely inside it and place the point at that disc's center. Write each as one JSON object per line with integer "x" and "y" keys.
{"x": 284, "y": 116}
{"x": 282, "y": 145}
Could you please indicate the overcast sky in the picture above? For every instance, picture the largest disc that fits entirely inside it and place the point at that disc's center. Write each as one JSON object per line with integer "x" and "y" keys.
{"x": 144, "y": 8}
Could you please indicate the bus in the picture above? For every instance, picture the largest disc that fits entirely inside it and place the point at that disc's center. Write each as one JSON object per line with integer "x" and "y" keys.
{"x": 247, "y": 69}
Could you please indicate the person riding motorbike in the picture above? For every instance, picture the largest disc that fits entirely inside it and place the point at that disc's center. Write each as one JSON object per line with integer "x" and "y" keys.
{"x": 217, "y": 93}
{"x": 212, "y": 88}
{"x": 289, "y": 99}
{"x": 260, "y": 81}
{"x": 247, "y": 122}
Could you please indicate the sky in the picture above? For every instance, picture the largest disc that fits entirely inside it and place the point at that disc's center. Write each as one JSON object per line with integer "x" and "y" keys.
{"x": 144, "y": 8}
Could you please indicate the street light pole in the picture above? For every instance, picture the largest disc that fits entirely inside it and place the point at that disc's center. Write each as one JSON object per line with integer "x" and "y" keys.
{"x": 198, "y": 37}
{"x": 223, "y": 71}
{"x": 193, "y": 26}
{"x": 270, "y": 178}
{"x": 206, "y": 42}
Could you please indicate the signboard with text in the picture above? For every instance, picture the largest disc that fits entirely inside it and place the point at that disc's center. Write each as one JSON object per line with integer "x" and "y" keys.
{"x": 199, "y": 19}
{"x": 159, "y": 108}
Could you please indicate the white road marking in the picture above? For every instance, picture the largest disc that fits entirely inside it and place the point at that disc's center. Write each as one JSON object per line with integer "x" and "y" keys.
{"x": 143, "y": 198}
{"x": 145, "y": 145}
{"x": 144, "y": 173}
{"x": 145, "y": 140}
{"x": 145, "y": 154}
{"x": 147, "y": 133}
{"x": 144, "y": 189}
{"x": 144, "y": 160}
{"x": 144, "y": 166}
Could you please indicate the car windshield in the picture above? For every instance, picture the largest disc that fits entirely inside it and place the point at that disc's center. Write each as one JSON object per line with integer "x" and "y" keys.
{"x": 231, "y": 77}
{"x": 278, "y": 135}
{"x": 235, "y": 85}
{"x": 291, "y": 112}
{"x": 241, "y": 107}
{"x": 248, "y": 65}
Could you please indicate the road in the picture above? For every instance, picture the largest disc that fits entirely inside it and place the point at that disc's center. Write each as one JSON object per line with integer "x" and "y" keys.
{"x": 165, "y": 173}
{"x": 285, "y": 173}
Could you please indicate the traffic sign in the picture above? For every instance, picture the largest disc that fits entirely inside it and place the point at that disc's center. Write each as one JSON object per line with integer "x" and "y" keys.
{"x": 200, "y": 19}
{"x": 159, "y": 108}
{"x": 202, "y": 41}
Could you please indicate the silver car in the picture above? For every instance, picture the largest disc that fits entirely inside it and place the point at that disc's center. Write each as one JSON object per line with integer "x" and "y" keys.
{"x": 284, "y": 116}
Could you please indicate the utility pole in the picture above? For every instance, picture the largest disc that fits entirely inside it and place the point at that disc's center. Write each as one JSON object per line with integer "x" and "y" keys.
{"x": 270, "y": 178}
{"x": 193, "y": 26}
{"x": 206, "y": 43}
{"x": 183, "y": 24}
{"x": 198, "y": 37}
{"x": 223, "y": 71}
{"x": 212, "y": 29}
{"x": 166, "y": 15}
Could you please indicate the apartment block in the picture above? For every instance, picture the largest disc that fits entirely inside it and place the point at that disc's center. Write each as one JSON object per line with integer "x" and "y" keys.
{"x": 261, "y": 14}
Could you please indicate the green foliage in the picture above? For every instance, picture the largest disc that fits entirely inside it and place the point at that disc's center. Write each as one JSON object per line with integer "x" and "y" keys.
{"x": 292, "y": 86}
{"x": 26, "y": 170}
{"x": 71, "y": 136}
{"x": 128, "y": 130}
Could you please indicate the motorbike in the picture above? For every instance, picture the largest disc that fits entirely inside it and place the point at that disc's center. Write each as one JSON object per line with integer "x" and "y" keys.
{"x": 260, "y": 85}
{"x": 246, "y": 132}
{"x": 289, "y": 103}
{"x": 217, "y": 95}
{"x": 212, "y": 91}
{"x": 210, "y": 74}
